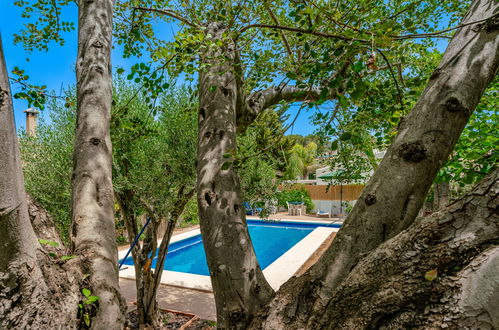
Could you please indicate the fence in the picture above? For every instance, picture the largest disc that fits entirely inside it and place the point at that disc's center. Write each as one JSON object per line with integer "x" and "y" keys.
{"x": 348, "y": 192}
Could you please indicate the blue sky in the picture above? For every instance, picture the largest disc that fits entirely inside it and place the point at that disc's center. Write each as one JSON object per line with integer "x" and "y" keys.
{"x": 55, "y": 68}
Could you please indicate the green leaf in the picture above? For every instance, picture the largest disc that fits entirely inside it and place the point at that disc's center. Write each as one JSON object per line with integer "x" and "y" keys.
{"x": 69, "y": 257}
{"x": 46, "y": 242}
{"x": 86, "y": 319}
{"x": 346, "y": 136}
{"x": 120, "y": 70}
{"x": 86, "y": 292}
{"x": 360, "y": 89}
{"x": 357, "y": 67}
{"x": 431, "y": 275}
{"x": 226, "y": 165}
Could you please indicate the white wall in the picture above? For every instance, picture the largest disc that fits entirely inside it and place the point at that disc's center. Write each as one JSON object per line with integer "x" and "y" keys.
{"x": 329, "y": 206}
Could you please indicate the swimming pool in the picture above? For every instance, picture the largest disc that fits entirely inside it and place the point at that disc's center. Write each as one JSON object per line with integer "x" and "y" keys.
{"x": 270, "y": 239}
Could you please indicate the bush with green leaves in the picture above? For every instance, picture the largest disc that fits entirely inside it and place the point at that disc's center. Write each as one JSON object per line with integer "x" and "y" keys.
{"x": 151, "y": 155}
{"x": 190, "y": 215}
{"x": 47, "y": 162}
{"x": 261, "y": 157}
{"x": 296, "y": 194}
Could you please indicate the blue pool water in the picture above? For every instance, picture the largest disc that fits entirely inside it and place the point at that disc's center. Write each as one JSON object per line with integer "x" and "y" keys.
{"x": 270, "y": 240}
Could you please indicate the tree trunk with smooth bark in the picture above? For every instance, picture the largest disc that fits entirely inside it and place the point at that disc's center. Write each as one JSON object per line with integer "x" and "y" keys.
{"x": 93, "y": 231}
{"x": 391, "y": 200}
{"x": 238, "y": 283}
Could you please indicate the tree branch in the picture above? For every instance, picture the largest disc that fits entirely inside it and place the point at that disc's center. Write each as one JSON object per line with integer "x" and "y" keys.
{"x": 438, "y": 33}
{"x": 168, "y": 12}
{"x": 298, "y": 30}
{"x": 284, "y": 39}
{"x": 340, "y": 37}
{"x": 393, "y": 77}
{"x": 341, "y": 24}
{"x": 261, "y": 100}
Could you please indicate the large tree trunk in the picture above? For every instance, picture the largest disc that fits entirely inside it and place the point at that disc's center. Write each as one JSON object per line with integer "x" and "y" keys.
{"x": 392, "y": 198}
{"x": 35, "y": 291}
{"x": 93, "y": 232}
{"x": 238, "y": 282}
{"x": 441, "y": 272}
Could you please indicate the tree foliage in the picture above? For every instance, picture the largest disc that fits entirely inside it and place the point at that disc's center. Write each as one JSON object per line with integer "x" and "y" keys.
{"x": 151, "y": 156}
{"x": 262, "y": 152}
{"x": 47, "y": 163}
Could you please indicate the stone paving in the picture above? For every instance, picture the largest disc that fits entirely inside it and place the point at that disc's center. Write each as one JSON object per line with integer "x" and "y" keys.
{"x": 185, "y": 300}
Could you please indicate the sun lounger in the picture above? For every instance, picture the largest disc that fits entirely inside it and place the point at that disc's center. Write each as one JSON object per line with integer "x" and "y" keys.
{"x": 322, "y": 214}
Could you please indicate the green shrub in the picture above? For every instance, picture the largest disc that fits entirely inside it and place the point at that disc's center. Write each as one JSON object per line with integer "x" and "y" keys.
{"x": 190, "y": 215}
{"x": 295, "y": 195}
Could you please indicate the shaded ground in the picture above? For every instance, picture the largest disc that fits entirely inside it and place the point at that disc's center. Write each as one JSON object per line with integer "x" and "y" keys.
{"x": 172, "y": 320}
{"x": 200, "y": 303}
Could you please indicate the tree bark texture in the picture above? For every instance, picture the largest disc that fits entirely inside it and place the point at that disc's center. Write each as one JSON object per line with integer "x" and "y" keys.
{"x": 238, "y": 283}
{"x": 93, "y": 232}
{"x": 440, "y": 273}
{"x": 35, "y": 291}
{"x": 391, "y": 200}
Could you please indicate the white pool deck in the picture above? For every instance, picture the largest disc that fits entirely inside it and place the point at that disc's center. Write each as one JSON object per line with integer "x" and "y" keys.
{"x": 276, "y": 273}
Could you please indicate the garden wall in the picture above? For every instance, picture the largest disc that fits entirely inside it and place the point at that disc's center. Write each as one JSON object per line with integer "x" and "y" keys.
{"x": 328, "y": 200}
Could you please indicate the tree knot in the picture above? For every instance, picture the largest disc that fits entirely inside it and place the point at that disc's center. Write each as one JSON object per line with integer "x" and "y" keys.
{"x": 413, "y": 151}
{"x": 4, "y": 95}
{"x": 236, "y": 315}
{"x": 436, "y": 73}
{"x": 95, "y": 141}
{"x": 97, "y": 44}
{"x": 209, "y": 197}
{"x": 454, "y": 105}
{"x": 489, "y": 26}
{"x": 370, "y": 199}
{"x": 225, "y": 91}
